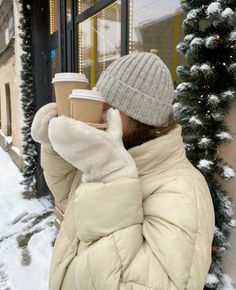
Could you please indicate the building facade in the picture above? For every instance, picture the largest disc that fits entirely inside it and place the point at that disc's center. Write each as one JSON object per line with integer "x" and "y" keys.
{"x": 11, "y": 116}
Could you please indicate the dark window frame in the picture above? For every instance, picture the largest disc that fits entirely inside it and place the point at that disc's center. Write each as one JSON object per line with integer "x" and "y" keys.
{"x": 67, "y": 32}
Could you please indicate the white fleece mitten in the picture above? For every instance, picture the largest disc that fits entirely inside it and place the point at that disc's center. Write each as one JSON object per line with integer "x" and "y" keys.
{"x": 39, "y": 128}
{"x": 99, "y": 154}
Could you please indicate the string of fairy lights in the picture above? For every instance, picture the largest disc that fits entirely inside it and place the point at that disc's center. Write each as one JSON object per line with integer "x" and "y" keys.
{"x": 81, "y": 47}
{"x": 104, "y": 44}
{"x": 130, "y": 25}
{"x": 207, "y": 87}
{"x": 52, "y": 16}
{"x": 80, "y": 9}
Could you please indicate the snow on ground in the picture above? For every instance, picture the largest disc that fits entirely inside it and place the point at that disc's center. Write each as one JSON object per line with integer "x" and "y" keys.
{"x": 228, "y": 283}
{"x": 27, "y": 233}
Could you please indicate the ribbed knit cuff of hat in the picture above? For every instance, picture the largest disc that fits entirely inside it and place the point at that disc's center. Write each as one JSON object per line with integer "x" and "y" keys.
{"x": 137, "y": 105}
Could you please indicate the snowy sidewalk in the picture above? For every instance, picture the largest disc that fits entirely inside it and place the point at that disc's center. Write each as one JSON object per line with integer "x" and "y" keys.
{"x": 26, "y": 233}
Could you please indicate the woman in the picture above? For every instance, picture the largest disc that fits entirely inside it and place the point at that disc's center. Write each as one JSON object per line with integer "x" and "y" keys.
{"x": 139, "y": 215}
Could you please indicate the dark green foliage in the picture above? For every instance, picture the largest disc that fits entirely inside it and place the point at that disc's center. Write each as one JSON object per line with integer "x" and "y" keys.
{"x": 27, "y": 101}
{"x": 203, "y": 99}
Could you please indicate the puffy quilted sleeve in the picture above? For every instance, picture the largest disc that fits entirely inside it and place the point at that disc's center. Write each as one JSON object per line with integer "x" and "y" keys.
{"x": 175, "y": 238}
{"x": 58, "y": 173}
{"x": 103, "y": 208}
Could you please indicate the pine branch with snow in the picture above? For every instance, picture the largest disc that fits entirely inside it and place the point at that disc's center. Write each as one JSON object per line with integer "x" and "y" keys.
{"x": 202, "y": 101}
{"x": 27, "y": 101}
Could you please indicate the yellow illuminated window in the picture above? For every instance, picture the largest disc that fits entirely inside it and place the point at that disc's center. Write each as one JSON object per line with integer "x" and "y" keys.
{"x": 99, "y": 41}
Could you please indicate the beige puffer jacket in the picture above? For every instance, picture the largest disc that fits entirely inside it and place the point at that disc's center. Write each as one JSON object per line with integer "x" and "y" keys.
{"x": 154, "y": 232}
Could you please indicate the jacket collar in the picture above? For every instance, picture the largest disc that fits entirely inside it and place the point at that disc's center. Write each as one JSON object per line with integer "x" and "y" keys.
{"x": 160, "y": 153}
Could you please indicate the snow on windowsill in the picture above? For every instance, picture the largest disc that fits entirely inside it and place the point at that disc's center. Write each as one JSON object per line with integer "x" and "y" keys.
{"x": 8, "y": 141}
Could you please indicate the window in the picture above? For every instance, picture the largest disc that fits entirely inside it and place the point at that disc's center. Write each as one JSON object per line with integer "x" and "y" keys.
{"x": 100, "y": 31}
{"x": 99, "y": 41}
{"x": 9, "y": 31}
{"x": 10, "y": 21}
{"x": 156, "y": 26}
{"x": 8, "y": 109}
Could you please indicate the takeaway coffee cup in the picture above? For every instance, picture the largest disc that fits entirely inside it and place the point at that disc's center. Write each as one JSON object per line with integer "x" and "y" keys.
{"x": 86, "y": 106}
{"x": 64, "y": 83}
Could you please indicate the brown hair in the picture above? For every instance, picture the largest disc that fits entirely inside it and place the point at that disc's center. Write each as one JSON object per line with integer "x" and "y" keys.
{"x": 138, "y": 133}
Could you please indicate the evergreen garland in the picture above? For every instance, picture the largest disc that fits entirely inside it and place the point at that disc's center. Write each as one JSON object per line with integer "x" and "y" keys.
{"x": 27, "y": 100}
{"x": 203, "y": 99}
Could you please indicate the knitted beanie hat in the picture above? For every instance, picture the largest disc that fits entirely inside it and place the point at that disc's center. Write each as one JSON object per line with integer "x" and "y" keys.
{"x": 140, "y": 85}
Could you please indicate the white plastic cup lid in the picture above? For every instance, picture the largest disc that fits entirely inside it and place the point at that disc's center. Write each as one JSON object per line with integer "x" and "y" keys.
{"x": 87, "y": 94}
{"x": 77, "y": 77}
